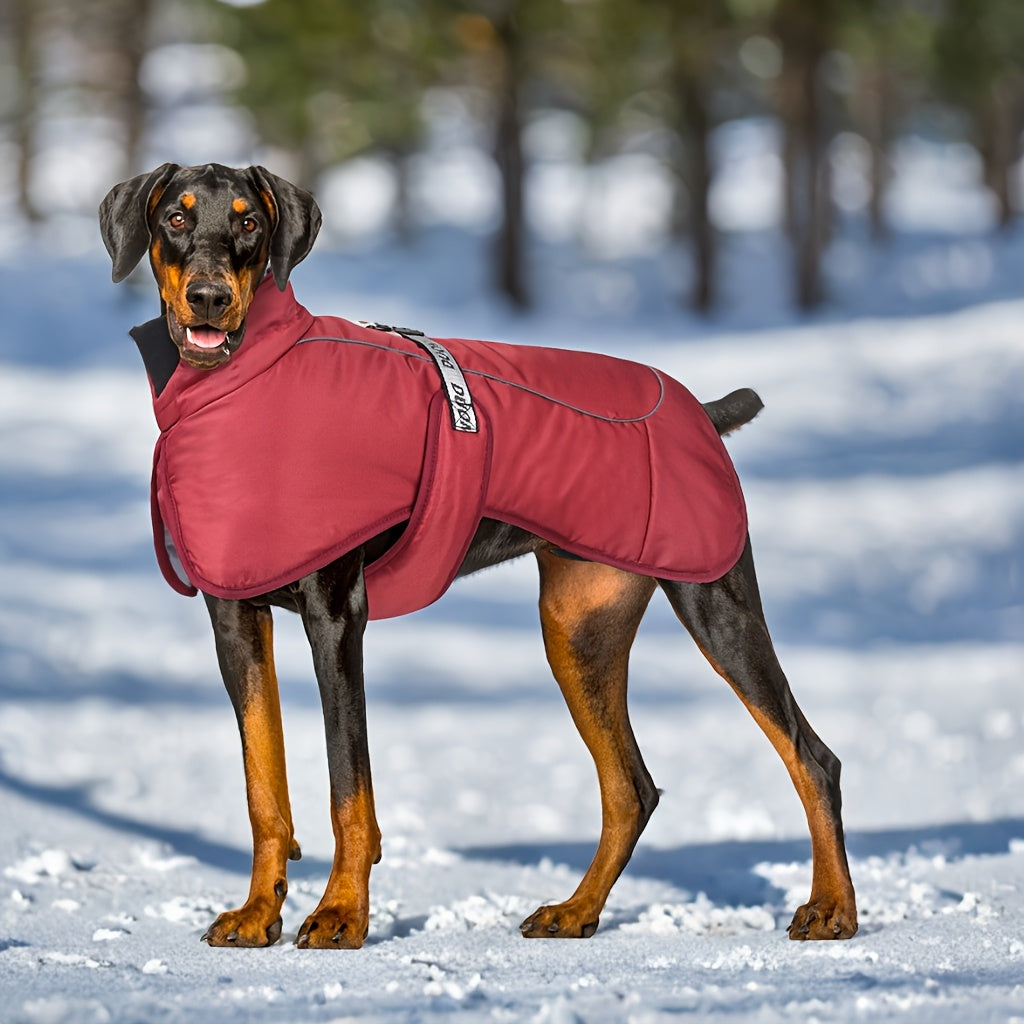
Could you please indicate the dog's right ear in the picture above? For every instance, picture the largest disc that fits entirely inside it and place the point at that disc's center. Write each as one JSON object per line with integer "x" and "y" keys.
{"x": 124, "y": 217}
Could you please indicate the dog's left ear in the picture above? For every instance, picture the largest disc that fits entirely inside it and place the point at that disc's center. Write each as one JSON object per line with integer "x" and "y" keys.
{"x": 124, "y": 218}
{"x": 295, "y": 219}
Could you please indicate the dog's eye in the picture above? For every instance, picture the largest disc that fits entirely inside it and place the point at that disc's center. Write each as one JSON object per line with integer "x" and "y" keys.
{"x": 176, "y": 220}
{"x": 249, "y": 225}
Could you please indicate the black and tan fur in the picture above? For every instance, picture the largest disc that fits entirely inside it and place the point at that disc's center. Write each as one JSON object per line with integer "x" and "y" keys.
{"x": 210, "y": 233}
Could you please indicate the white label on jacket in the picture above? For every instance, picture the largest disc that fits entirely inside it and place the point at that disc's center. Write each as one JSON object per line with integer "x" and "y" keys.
{"x": 460, "y": 401}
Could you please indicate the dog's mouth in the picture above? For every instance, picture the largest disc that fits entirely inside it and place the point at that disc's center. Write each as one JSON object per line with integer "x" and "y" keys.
{"x": 204, "y": 346}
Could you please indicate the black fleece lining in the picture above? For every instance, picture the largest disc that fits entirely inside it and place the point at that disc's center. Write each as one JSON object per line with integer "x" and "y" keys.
{"x": 159, "y": 353}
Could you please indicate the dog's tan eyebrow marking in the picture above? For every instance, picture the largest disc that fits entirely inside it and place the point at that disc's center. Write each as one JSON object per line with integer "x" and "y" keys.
{"x": 188, "y": 200}
{"x": 240, "y": 206}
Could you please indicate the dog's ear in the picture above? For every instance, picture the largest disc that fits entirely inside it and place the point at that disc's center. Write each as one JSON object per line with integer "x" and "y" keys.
{"x": 295, "y": 221}
{"x": 124, "y": 218}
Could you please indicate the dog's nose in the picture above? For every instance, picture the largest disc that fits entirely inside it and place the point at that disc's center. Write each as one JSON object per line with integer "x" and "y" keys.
{"x": 208, "y": 299}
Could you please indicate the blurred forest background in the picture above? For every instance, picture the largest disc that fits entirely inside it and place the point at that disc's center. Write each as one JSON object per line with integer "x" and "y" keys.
{"x": 309, "y": 85}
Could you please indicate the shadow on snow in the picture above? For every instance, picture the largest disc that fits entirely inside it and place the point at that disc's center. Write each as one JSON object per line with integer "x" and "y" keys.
{"x": 725, "y": 871}
{"x": 78, "y": 799}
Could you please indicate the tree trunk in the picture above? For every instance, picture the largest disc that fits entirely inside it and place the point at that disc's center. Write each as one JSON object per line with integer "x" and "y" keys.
{"x": 508, "y": 154}
{"x": 696, "y": 175}
{"x": 996, "y": 125}
{"x": 877, "y": 124}
{"x": 804, "y": 47}
{"x": 135, "y": 42}
{"x": 872, "y": 111}
{"x": 25, "y": 29}
{"x": 402, "y": 211}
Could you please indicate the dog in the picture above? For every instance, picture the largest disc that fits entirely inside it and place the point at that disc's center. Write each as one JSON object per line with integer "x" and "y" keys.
{"x": 218, "y": 239}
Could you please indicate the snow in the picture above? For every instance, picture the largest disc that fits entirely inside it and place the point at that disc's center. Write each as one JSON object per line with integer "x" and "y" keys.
{"x": 883, "y": 480}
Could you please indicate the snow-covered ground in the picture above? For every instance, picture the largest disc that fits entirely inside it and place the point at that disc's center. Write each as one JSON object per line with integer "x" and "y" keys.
{"x": 884, "y": 482}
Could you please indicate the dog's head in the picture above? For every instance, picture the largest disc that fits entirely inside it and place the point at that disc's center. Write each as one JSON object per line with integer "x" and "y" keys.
{"x": 211, "y": 232}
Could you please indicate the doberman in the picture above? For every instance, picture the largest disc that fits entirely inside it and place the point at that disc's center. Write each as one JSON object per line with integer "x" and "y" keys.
{"x": 211, "y": 233}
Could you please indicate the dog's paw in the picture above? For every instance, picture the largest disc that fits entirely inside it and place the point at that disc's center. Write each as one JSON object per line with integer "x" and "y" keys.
{"x": 561, "y": 921}
{"x": 246, "y": 927}
{"x": 823, "y": 919}
{"x": 334, "y": 928}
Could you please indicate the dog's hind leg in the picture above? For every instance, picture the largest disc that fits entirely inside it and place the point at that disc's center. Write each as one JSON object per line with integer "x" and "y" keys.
{"x": 727, "y": 622}
{"x": 243, "y": 633}
{"x": 589, "y": 616}
{"x": 332, "y": 603}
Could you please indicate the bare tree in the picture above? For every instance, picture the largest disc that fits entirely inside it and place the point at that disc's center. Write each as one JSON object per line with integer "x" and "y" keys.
{"x": 133, "y": 42}
{"x": 804, "y": 29}
{"x": 25, "y": 19}
{"x": 508, "y": 154}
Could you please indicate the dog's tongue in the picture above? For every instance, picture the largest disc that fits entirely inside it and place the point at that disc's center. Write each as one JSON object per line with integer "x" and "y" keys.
{"x": 205, "y": 337}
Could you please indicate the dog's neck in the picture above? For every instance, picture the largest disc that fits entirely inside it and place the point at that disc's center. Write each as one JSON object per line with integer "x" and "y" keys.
{"x": 159, "y": 353}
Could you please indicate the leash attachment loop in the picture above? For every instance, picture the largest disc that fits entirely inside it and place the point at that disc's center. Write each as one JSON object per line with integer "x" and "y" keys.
{"x": 460, "y": 401}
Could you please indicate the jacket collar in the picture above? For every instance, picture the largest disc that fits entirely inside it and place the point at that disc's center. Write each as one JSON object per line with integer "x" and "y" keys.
{"x": 274, "y": 323}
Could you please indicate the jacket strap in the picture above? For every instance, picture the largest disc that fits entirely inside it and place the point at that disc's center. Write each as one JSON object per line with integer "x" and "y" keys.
{"x": 427, "y": 557}
{"x": 460, "y": 401}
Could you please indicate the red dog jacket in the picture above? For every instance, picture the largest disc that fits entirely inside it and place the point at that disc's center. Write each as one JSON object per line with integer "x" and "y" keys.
{"x": 321, "y": 433}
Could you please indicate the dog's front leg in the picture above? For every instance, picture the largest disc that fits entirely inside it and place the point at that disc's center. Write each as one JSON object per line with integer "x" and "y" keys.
{"x": 243, "y": 633}
{"x": 332, "y": 603}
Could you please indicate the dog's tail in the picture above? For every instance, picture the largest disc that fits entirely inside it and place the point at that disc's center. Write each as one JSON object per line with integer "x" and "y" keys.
{"x": 735, "y": 410}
